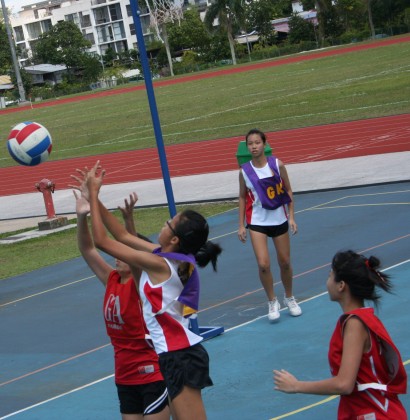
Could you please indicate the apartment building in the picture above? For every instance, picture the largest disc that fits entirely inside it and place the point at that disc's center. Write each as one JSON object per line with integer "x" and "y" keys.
{"x": 105, "y": 23}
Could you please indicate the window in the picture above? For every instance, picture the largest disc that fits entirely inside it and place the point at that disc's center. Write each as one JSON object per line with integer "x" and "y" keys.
{"x": 22, "y": 52}
{"x": 105, "y": 34}
{"x": 46, "y": 25}
{"x": 34, "y": 30}
{"x": 132, "y": 29}
{"x": 101, "y": 15}
{"x": 118, "y": 29}
{"x": 145, "y": 24}
{"x": 19, "y": 34}
{"x": 90, "y": 37}
{"x": 73, "y": 17}
{"x": 129, "y": 11}
{"x": 85, "y": 20}
{"x": 121, "y": 46}
{"x": 115, "y": 12}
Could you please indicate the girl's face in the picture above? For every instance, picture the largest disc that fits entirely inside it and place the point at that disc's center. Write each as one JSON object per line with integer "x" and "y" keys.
{"x": 255, "y": 145}
{"x": 168, "y": 230}
{"x": 331, "y": 285}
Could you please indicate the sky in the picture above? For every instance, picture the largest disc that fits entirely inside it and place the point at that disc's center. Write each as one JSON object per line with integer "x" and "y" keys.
{"x": 15, "y": 5}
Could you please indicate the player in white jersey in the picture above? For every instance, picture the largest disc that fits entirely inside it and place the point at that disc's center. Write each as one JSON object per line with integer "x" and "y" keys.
{"x": 169, "y": 290}
{"x": 264, "y": 194}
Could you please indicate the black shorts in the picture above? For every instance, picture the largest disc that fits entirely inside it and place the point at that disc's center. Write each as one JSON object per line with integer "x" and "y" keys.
{"x": 186, "y": 367}
{"x": 143, "y": 399}
{"x": 271, "y": 231}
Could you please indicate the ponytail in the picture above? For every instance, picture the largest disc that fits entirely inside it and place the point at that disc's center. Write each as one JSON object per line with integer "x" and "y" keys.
{"x": 208, "y": 253}
{"x": 361, "y": 274}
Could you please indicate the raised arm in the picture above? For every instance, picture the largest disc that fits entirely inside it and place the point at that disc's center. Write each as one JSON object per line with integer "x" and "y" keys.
{"x": 155, "y": 265}
{"x": 85, "y": 243}
{"x": 128, "y": 213}
{"x": 121, "y": 233}
{"x": 110, "y": 221}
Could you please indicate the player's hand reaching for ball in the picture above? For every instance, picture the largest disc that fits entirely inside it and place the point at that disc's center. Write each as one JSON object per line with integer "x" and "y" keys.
{"x": 94, "y": 178}
{"x": 82, "y": 206}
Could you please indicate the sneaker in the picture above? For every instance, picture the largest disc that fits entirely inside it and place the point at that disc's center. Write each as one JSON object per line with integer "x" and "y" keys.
{"x": 294, "y": 308}
{"x": 274, "y": 307}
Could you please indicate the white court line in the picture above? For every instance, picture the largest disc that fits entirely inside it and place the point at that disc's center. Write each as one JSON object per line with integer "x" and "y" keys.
{"x": 46, "y": 291}
{"x": 228, "y": 330}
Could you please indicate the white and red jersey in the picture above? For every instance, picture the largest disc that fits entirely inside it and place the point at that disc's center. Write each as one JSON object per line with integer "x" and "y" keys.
{"x": 163, "y": 314}
{"x": 255, "y": 214}
{"x": 136, "y": 362}
{"x": 381, "y": 374}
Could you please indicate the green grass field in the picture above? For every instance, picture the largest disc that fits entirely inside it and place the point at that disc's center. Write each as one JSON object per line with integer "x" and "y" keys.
{"x": 356, "y": 85}
{"x": 352, "y": 86}
{"x": 62, "y": 246}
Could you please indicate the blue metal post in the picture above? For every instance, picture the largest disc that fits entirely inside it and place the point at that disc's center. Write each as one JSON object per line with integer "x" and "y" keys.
{"x": 153, "y": 107}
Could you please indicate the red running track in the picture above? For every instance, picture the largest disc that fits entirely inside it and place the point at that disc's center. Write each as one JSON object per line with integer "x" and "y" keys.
{"x": 254, "y": 66}
{"x": 334, "y": 141}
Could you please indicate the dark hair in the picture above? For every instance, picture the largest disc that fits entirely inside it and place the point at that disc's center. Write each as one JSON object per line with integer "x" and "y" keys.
{"x": 361, "y": 274}
{"x": 192, "y": 230}
{"x": 258, "y": 132}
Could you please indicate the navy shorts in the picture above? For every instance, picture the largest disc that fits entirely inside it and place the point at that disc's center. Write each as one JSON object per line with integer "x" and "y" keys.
{"x": 271, "y": 231}
{"x": 143, "y": 399}
{"x": 186, "y": 367}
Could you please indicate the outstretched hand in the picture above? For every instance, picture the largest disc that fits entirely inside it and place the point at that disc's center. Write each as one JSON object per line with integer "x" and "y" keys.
{"x": 81, "y": 183}
{"x": 129, "y": 205}
{"x": 284, "y": 381}
{"x": 89, "y": 181}
{"x": 82, "y": 206}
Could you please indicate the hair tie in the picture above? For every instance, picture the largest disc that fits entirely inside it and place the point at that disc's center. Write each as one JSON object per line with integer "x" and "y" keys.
{"x": 382, "y": 279}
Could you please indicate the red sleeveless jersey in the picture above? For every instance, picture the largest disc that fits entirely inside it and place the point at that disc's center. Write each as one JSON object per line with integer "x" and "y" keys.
{"x": 381, "y": 374}
{"x": 136, "y": 362}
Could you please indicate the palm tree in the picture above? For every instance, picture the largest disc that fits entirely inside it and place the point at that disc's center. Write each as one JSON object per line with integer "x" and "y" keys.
{"x": 226, "y": 12}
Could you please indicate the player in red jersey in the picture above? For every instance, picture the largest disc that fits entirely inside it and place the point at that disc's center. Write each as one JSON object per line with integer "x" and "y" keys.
{"x": 141, "y": 388}
{"x": 367, "y": 369}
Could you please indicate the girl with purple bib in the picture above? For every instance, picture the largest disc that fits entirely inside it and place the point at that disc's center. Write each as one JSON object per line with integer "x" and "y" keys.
{"x": 266, "y": 208}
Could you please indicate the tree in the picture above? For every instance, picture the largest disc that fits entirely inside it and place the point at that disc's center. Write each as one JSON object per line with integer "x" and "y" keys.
{"x": 62, "y": 44}
{"x": 26, "y": 79}
{"x": 190, "y": 33}
{"x": 109, "y": 57}
{"x": 259, "y": 14}
{"x": 225, "y": 11}
{"x": 5, "y": 54}
{"x": 300, "y": 29}
{"x": 92, "y": 69}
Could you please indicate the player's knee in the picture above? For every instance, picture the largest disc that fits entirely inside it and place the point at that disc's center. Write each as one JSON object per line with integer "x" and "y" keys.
{"x": 284, "y": 264}
{"x": 264, "y": 266}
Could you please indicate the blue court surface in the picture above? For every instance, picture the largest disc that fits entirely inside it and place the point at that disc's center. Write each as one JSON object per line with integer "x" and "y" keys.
{"x": 57, "y": 361}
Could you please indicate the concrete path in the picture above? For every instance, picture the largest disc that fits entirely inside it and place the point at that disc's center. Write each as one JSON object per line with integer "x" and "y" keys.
{"x": 26, "y": 210}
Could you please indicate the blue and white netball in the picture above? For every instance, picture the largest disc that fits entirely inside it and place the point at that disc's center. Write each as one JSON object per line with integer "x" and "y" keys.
{"x": 29, "y": 143}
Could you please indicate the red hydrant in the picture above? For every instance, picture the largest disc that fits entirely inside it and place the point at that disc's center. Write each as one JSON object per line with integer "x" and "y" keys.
{"x": 47, "y": 188}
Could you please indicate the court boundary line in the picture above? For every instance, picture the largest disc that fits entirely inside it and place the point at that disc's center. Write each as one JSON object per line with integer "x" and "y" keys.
{"x": 228, "y": 330}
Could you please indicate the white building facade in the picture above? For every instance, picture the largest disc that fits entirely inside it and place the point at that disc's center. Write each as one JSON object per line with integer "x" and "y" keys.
{"x": 106, "y": 24}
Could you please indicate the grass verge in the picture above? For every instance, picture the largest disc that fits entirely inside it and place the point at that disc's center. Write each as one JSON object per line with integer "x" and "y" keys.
{"x": 32, "y": 254}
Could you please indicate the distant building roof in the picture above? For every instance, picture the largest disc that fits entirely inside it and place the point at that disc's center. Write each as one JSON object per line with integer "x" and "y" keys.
{"x": 6, "y": 83}
{"x": 282, "y": 24}
{"x": 250, "y": 37}
{"x": 41, "y": 4}
{"x": 45, "y": 68}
